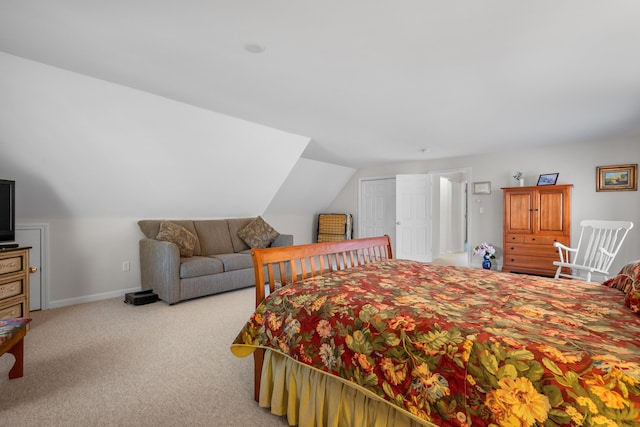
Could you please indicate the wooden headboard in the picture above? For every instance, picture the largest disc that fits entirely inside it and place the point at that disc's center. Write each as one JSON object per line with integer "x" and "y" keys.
{"x": 281, "y": 266}
{"x": 285, "y": 265}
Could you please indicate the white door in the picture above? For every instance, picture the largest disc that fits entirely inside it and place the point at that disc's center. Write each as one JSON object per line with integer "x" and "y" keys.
{"x": 377, "y": 211}
{"x": 413, "y": 217}
{"x": 33, "y": 236}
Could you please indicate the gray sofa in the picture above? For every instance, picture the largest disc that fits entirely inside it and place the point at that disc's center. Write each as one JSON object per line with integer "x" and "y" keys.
{"x": 221, "y": 260}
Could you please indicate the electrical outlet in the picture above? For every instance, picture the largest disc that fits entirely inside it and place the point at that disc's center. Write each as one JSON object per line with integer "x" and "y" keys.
{"x": 126, "y": 266}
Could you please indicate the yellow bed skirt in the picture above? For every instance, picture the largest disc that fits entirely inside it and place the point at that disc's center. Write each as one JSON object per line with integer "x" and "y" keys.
{"x": 310, "y": 398}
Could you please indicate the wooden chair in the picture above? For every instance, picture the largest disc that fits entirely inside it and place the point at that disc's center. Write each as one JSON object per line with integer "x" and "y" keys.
{"x": 597, "y": 247}
{"x": 12, "y": 333}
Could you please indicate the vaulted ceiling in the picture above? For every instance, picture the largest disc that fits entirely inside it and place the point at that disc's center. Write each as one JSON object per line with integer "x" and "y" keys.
{"x": 367, "y": 81}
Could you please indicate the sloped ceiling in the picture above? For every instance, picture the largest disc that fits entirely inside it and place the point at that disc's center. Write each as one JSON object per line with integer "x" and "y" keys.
{"x": 308, "y": 188}
{"x": 81, "y": 147}
{"x": 367, "y": 81}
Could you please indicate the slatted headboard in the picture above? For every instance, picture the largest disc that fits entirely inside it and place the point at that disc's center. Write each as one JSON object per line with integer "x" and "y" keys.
{"x": 281, "y": 266}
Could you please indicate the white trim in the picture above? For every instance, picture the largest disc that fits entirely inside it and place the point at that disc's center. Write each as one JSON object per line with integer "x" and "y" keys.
{"x": 91, "y": 298}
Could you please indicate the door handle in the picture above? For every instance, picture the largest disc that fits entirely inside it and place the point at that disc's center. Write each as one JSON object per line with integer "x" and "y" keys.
{"x": 33, "y": 269}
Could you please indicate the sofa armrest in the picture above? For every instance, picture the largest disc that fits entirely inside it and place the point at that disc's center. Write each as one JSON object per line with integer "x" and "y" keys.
{"x": 160, "y": 269}
{"x": 282, "y": 240}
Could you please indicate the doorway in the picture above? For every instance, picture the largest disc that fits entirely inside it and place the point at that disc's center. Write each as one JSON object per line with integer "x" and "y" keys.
{"x": 451, "y": 232}
{"x": 449, "y": 228}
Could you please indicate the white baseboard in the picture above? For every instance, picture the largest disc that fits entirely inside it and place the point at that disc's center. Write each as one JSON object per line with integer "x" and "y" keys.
{"x": 90, "y": 298}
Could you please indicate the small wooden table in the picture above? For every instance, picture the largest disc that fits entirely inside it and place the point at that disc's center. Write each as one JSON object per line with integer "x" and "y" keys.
{"x": 12, "y": 333}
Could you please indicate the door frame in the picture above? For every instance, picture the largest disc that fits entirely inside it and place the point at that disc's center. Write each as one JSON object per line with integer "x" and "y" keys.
{"x": 44, "y": 262}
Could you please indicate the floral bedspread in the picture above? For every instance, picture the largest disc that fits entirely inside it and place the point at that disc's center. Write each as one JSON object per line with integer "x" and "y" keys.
{"x": 463, "y": 346}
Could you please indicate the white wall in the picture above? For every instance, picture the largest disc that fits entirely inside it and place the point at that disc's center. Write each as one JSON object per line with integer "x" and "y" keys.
{"x": 576, "y": 164}
{"x": 90, "y": 158}
{"x": 92, "y": 148}
{"x": 85, "y": 257}
{"x": 307, "y": 191}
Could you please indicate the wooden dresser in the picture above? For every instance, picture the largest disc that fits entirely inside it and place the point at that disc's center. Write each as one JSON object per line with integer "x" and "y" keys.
{"x": 14, "y": 283}
{"x": 535, "y": 218}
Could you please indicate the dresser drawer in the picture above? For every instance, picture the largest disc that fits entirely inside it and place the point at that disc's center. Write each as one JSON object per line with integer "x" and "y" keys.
{"x": 514, "y": 238}
{"x": 538, "y": 262}
{"x": 535, "y": 250}
{"x": 13, "y": 310}
{"x": 544, "y": 240}
{"x": 11, "y": 265}
{"x": 11, "y": 288}
{"x": 537, "y": 240}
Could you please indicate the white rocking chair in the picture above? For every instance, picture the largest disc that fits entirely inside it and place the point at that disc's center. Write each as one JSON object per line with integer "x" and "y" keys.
{"x": 602, "y": 240}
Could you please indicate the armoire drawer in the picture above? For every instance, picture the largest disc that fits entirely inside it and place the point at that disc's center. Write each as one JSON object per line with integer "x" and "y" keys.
{"x": 534, "y": 250}
{"x": 530, "y": 261}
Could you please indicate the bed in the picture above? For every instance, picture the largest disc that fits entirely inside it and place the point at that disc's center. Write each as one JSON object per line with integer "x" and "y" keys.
{"x": 349, "y": 336}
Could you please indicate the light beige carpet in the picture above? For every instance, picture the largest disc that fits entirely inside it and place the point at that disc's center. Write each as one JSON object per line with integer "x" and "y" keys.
{"x": 107, "y": 363}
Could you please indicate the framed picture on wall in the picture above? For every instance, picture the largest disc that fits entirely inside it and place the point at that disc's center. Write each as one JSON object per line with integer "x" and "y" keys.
{"x": 548, "y": 179}
{"x": 617, "y": 178}
{"x": 483, "y": 187}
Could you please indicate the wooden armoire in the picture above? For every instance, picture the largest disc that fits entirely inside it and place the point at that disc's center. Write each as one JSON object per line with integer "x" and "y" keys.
{"x": 535, "y": 218}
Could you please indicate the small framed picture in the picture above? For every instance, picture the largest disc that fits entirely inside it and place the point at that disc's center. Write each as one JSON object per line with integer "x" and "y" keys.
{"x": 617, "y": 178}
{"x": 548, "y": 179}
{"x": 483, "y": 187}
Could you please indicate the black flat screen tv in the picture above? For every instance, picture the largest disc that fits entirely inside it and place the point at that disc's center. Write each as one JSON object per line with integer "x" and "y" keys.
{"x": 7, "y": 210}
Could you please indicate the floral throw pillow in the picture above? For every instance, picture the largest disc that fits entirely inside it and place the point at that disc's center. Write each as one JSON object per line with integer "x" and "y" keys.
{"x": 628, "y": 281}
{"x": 174, "y": 233}
{"x": 621, "y": 282}
{"x": 258, "y": 234}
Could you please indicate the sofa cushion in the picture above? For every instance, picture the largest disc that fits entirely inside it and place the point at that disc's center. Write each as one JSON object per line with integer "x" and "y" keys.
{"x": 235, "y": 225}
{"x": 258, "y": 234}
{"x": 200, "y": 266}
{"x": 151, "y": 227}
{"x": 174, "y": 233}
{"x": 235, "y": 261}
{"x": 214, "y": 237}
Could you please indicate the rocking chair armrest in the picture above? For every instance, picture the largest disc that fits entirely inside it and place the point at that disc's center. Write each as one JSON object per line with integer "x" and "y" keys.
{"x": 564, "y": 251}
{"x": 563, "y": 247}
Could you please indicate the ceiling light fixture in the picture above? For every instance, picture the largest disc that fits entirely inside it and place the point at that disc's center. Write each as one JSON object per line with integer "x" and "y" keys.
{"x": 254, "y": 47}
